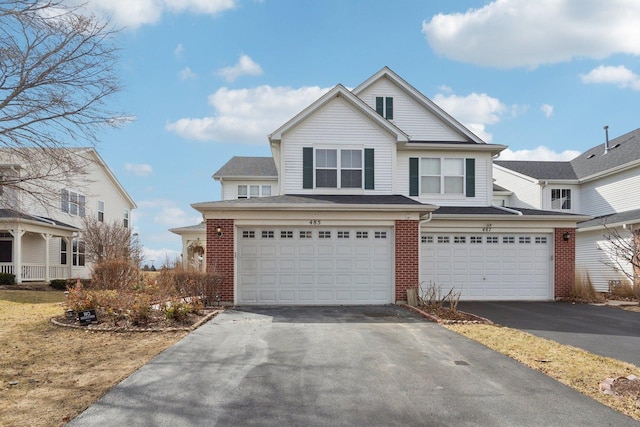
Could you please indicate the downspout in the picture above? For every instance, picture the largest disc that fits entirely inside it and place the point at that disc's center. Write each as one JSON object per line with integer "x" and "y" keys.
{"x": 542, "y": 186}
{"x": 422, "y": 221}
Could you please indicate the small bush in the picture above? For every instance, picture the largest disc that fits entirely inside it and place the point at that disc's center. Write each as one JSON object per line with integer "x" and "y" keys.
{"x": 624, "y": 290}
{"x": 7, "y": 279}
{"x": 583, "y": 290}
{"x": 178, "y": 309}
{"x": 59, "y": 284}
{"x": 432, "y": 296}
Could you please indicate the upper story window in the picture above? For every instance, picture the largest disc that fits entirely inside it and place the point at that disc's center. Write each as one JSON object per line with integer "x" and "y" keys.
{"x": 125, "y": 219}
{"x": 248, "y": 191}
{"x": 442, "y": 176}
{"x": 72, "y": 203}
{"x": 347, "y": 162}
{"x": 100, "y": 211}
{"x": 561, "y": 198}
{"x": 384, "y": 106}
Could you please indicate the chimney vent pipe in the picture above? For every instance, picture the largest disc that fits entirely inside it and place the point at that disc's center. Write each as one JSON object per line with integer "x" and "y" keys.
{"x": 606, "y": 141}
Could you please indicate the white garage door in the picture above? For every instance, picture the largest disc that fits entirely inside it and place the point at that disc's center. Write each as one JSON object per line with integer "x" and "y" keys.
{"x": 319, "y": 265}
{"x": 488, "y": 267}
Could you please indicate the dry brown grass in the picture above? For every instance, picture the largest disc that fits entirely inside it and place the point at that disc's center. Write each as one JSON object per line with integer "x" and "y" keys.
{"x": 583, "y": 290}
{"x": 577, "y": 368}
{"x": 60, "y": 371}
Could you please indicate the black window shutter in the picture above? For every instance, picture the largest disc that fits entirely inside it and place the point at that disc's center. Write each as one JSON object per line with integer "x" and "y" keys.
{"x": 307, "y": 167}
{"x": 413, "y": 176}
{"x": 380, "y": 105}
{"x": 471, "y": 177}
{"x": 369, "y": 170}
{"x": 389, "y": 108}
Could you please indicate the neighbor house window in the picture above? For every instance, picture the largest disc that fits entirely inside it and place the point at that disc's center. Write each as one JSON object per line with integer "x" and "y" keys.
{"x": 248, "y": 191}
{"x": 78, "y": 252}
{"x": 384, "y": 106}
{"x": 100, "y": 211}
{"x": 63, "y": 252}
{"x": 329, "y": 162}
{"x": 72, "y": 203}
{"x": 125, "y": 219}
{"x": 441, "y": 176}
{"x": 561, "y": 198}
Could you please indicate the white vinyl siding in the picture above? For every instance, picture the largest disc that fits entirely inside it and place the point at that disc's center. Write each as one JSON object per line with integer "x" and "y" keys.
{"x": 335, "y": 126}
{"x": 483, "y": 184}
{"x": 616, "y": 193}
{"x": 526, "y": 193}
{"x": 408, "y": 114}
{"x": 590, "y": 259}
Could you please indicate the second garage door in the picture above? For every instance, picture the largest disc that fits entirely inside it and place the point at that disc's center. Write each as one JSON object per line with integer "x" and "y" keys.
{"x": 331, "y": 265}
{"x": 488, "y": 267}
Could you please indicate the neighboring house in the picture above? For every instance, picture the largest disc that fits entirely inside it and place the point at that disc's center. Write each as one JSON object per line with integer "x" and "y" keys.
{"x": 379, "y": 190}
{"x": 239, "y": 178}
{"x": 603, "y": 182}
{"x": 41, "y": 225}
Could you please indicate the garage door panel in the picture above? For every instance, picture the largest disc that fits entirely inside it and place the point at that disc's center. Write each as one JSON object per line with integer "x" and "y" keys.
{"x": 315, "y": 266}
{"x": 491, "y": 267}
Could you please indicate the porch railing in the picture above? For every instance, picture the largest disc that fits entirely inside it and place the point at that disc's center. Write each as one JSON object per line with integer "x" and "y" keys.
{"x": 36, "y": 272}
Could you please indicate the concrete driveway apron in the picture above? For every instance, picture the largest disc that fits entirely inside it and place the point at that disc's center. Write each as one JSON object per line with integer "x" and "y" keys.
{"x": 602, "y": 330}
{"x": 338, "y": 366}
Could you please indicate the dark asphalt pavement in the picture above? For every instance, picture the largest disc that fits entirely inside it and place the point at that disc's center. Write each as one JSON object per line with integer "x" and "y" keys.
{"x": 338, "y": 366}
{"x": 603, "y": 330}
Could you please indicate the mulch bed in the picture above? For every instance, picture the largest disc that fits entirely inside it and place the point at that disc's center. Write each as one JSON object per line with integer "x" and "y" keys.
{"x": 446, "y": 315}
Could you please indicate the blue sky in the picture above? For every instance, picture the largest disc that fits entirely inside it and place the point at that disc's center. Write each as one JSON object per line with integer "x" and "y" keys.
{"x": 209, "y": 79}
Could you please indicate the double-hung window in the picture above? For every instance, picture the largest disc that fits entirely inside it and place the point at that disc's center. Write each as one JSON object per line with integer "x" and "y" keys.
{"x": 347, "y": 162}
{"x": 125, "y": 218}
{"x": 442, "y": 175}
{"x": 72, "y": 203}
{"x": 100, "y": 211}
{"x": 561, "y": 198}
{"x": 78, "y": 252}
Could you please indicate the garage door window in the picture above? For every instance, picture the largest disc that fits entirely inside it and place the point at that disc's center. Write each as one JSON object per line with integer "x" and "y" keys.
{"x": 286, "y": 234}
{"x": 362, "y": 235}
{"x": 267, "y": 234}
{"x": 343, "y": 234}
{"x": 459, "y": 239}
{"x": 306, "y": 234}
{"x": 492, "y": 239}
{"x": 380, "y": 235}
{"x": 541, "y": 240}
{"x": 324, "y": 234}
{"x": 475, "y": 239}
{"x": 246, "y": 234}
{"x": 508, "y": 239}
{"x": 524, "y": 240}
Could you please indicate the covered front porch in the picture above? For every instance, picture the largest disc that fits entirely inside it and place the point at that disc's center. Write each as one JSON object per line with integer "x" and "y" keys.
{"x": 35, "y": 248}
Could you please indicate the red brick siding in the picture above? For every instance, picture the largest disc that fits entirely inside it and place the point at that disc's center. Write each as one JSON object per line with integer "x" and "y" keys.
{"x": 565, "y": 262}
{"x": 220, "y": 254}
{"x": 407, "y": 247}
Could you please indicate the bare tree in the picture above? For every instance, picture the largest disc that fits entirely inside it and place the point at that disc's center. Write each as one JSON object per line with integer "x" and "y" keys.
{"x": 109, "y": 241}
{"x": 57, "y": 70}
{"x": 623, "y": 252}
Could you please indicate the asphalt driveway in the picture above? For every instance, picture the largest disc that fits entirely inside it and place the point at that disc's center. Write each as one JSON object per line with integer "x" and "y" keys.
{"x": 338, "y": 366}
{"x": 603, "y": 330}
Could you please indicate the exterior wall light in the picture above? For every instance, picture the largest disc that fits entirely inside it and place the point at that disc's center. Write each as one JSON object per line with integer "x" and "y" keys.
{"x": 566, "y": 236}
{"x": 219, "y": 231}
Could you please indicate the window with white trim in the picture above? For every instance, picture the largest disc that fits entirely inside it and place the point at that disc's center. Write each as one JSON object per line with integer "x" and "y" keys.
{"x": 442, "y": 175}
{"x": 72, "y": 203}
{"x": 63, "y": 252}
{"x": 100, "y": 211}
{"x": 561, "y": 198}
{"x": 125, "y": 218}
{"x": 249, "y": 191}
{"x": 78, "y": 251}
{"x": 328, "y": 162}
{"x": 384, "y": 106}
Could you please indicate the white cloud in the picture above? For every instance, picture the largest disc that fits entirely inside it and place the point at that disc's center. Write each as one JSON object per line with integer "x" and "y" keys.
{"x": 620, "y": 76}
{"x": 246, "y": 115}
{"x": 187, "y": 74}
{"x": 515, "y": 33}
{"x": 245, "y": 67}
{"x": 540, "y": 153}
{"x": 175, "y": 217}
{"x": 178, "y": 51}
{"x": 475, "y": 111}
{"x": 135, "y": 13}
{"x": 547, "y": 110}
{"x": 141, "y": 169}
{"x": 159, "y": 257}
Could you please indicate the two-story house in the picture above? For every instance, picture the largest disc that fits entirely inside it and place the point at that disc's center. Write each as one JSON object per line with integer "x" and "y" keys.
{"x": 380, "y": 190}
{"x": 41, "y": 221}
{"x": 603, "y": 182}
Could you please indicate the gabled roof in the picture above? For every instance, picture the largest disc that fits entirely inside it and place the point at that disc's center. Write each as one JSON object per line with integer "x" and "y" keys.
{"x": 340, "y": 91}
{"x": 624, "y": 151}
{"x": 540, "y": 170}
{"x": 612, "y": 220}
{"x": 428, "y": 104}
{"x": 248, "y": 167}
{"x": 506, "y": 212}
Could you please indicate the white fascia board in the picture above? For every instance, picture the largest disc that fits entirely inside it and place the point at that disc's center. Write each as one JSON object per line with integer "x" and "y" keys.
{"x": 227, "y": 178}
{"x": 611, "y": 171}
{"x": 339, "y": 91}
{"x": 312, "y": 207}
{"x": 546, "y": 218}
{"x": 608, "y": 225}
{"x": 517, "y": 174}
{"x": 492, "y": 148}
{"x": 113, "y": 178}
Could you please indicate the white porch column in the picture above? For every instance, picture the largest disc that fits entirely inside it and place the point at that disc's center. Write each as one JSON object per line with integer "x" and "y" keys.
{"x": 69, "y": 257}
{"x": 47, "y": 241}
{"x": 17, "y": 253}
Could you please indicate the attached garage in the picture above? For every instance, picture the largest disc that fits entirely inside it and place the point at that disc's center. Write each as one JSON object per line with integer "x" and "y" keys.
{"x": 514, "y": 266}
{"x": 314, "y": 265}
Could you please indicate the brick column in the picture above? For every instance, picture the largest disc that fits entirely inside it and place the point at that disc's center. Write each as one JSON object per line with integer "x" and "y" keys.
{"x": 220, "y": 259}
{"x": 565, "y": 262}
{"x": 407, "y": 248}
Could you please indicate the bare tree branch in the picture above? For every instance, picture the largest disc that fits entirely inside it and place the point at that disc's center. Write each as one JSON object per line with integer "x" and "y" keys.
{"x": 623, "y": 251}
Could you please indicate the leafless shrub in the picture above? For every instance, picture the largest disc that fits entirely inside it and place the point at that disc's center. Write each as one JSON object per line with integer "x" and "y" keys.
{"x": 432, "y": 296}
{"x": 583, "y": 290}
